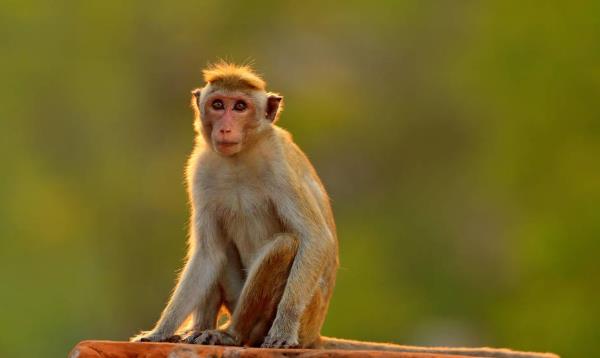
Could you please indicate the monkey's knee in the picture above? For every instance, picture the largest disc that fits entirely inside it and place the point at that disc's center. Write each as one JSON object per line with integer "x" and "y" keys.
{"x": 283, "y": 247}
{"x": 274, "y": 265}
{"x": 263, "y": 289}
{"x": 269, "y": 274}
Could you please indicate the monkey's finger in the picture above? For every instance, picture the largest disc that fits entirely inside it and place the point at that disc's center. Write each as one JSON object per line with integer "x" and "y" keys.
{"x": 213, "y": 340}
{"x": 173, "y": 339}
{"x": 202, "y": 339}
{"x": 279, "y": 343}
{"x": 271, "y": 343}
{"x": 191, "y": 338}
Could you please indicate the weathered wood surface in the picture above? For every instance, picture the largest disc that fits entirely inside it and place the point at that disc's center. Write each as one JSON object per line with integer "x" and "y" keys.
{"x": 111, "y": 349}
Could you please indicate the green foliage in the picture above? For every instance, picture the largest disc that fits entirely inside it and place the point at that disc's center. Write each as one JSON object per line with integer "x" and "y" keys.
{"x": 460, "y": 142}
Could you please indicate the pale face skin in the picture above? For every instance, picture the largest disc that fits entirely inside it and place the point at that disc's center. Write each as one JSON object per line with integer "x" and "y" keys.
{"x": 227, "y": 117}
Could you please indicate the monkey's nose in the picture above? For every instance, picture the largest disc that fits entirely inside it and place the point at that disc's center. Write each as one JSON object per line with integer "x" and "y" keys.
{"x": 224, "y": 131}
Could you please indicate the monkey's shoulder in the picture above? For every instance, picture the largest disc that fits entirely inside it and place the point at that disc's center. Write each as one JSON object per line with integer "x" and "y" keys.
{"x": 291, "y": 152}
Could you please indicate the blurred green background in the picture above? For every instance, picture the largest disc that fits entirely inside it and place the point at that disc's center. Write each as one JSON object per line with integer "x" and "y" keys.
{"x": 459, "y": 141}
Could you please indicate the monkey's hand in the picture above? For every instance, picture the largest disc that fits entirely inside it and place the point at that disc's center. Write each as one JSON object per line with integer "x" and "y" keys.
{"x": 213, "y": 337}
{"x": 279, "y": 339}
{"x": 151, "y": 336}
{"x": 280, "y": 342}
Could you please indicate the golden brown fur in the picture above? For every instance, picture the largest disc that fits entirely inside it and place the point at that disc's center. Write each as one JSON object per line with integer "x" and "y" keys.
{"x": 233, "y": 77}
{"x": 263, "y": 242}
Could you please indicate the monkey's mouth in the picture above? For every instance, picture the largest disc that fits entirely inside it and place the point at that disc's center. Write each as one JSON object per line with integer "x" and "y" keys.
{"x": 226, "y": 147}
{"x": 227, "y": 144}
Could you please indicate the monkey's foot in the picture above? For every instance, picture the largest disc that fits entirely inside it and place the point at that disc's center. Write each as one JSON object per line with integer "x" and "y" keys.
{"x": 280, "y": 342}
{"x": 212, "y": 337}
{"x": 189, "y": 336}
{"x": 149, "y": 336}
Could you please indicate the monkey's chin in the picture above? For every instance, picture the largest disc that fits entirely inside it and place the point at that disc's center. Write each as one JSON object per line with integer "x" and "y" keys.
{"x": 228, "y": 149}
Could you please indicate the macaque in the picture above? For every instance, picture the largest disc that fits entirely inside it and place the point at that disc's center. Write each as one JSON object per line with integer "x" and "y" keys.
{"x": 262, "y": 241}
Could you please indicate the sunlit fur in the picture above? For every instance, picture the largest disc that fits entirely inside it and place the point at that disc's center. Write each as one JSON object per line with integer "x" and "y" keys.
{"x": 255, "y": 214}
{"x": 263, "y": 241}
{"x": 233, "y": 77}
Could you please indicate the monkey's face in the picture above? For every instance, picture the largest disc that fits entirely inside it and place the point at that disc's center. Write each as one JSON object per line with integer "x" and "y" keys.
{"x": 228, "y": 118}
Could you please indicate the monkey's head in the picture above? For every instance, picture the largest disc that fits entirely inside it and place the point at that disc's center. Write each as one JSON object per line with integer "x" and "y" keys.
{"x": 233, "y": 108}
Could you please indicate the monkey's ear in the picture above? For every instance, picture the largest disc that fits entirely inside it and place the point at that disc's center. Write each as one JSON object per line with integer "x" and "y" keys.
{"x": 196, "y": 100}
{"x": 197, "y": 93}
{"x": 274, "y": 106}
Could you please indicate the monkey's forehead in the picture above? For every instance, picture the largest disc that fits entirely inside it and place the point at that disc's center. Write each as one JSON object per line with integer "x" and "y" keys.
{"x": 256, "y": 96}
{"x": 226, "y": 92}
{"x": 236, "y": 83}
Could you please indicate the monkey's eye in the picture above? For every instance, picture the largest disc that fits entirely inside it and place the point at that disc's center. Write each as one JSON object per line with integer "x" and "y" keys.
{"x": 218, "y": 104}
{"x": 240, "y": 106}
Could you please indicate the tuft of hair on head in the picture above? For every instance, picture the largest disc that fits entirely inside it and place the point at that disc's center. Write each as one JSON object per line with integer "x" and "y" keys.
{"x": 233, "y": 77}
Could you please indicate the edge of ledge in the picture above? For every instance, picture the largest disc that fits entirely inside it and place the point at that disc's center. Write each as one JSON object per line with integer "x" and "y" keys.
{"x": 120, "y": 349}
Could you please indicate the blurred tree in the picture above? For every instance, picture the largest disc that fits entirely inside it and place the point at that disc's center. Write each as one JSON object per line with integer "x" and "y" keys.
{"x": 459, "y": 142}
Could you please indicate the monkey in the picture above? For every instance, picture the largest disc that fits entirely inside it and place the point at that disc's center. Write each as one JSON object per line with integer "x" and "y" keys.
{"x": 263, "y": 245}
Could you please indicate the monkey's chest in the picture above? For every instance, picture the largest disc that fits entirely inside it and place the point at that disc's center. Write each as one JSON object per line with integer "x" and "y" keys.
{"x": 248, "y": 219}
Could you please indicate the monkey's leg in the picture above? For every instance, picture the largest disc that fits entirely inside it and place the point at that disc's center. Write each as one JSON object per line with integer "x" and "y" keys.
{"x": 200, "y": 274}
{"x": 204, "y": 316}
{"x": 257, "y": 305}
{"x": 226, "y": 294}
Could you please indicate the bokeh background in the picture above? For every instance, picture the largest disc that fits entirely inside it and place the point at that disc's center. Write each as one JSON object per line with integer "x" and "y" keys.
{"x": 459, "y": 141}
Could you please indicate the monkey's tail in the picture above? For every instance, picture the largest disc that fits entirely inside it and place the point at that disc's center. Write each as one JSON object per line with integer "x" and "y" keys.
{"x": 346, "y": 344}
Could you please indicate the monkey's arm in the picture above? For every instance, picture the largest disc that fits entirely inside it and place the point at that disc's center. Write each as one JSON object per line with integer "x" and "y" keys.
{"x": 300, "y": 212}
{"x": 199, "y": 276}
